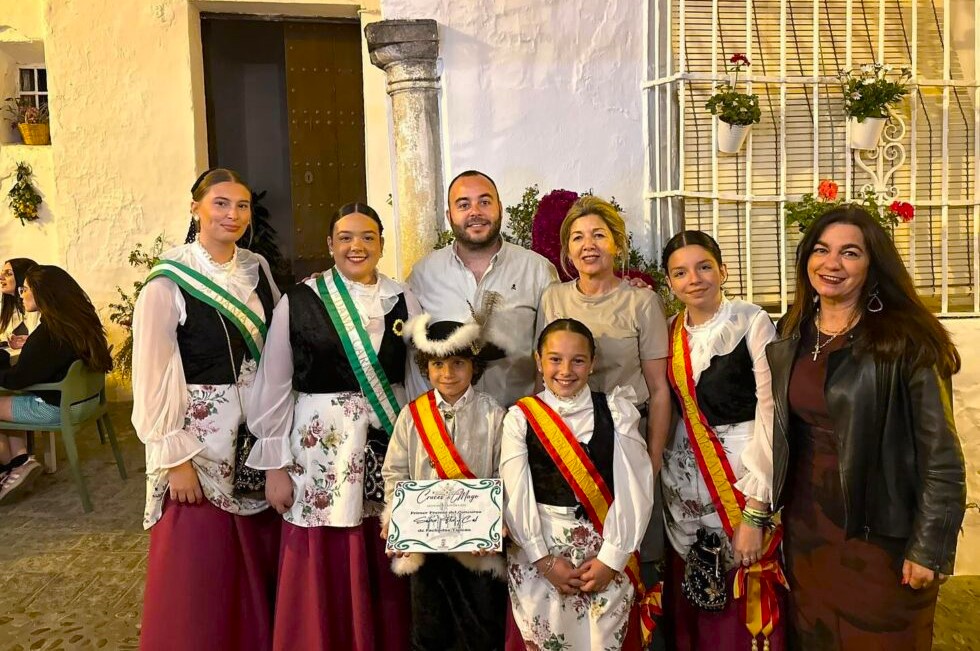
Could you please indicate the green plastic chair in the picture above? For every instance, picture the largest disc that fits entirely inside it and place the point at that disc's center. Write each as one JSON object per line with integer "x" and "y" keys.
{"x": 80, "y": 384}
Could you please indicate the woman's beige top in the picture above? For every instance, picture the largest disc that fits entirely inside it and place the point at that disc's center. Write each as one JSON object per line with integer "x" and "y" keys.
{"x": 628, "y": 324}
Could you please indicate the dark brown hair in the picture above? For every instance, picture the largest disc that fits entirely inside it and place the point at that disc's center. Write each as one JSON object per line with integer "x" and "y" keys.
{"x": 466, "y": 174}
{"x": 566, "y": 325}
{"x": 69, "y": 315}
{"x": 422, "y": 361}
{"x": 356, "y": 207}
{"x": 14, "y": 304}
{"x": 690, "y": 238}
{"x": 904, "y": 326}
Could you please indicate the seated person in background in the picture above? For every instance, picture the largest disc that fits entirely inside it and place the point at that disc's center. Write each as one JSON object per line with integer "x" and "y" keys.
{"x": 69, "y": 329}
{"x": 15, "y": 322}
{"x": 459, "y": 599}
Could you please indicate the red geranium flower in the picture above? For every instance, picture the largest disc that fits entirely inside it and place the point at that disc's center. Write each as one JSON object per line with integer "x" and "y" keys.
{"x": 904, "y": 210}
{"x": 827, "y": 190}
{"x": 740, "y": 59}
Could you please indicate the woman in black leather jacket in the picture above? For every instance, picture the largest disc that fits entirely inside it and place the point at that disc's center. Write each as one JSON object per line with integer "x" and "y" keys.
{"x": 867, "y": 464}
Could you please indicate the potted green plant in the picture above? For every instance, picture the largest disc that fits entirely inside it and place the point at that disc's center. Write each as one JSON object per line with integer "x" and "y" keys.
{"x": 868, "y": 95}
{"x": 736, "y": 112}
{"x": 30, "y": 120}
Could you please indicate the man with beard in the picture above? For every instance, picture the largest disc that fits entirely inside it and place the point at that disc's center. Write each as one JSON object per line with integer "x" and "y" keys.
{"x": 483, "y": 273}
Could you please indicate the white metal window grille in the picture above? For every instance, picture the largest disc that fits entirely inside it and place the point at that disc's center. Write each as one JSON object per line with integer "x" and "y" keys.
{"x": 33, "y": 84}
{"x": 796, "y": 49}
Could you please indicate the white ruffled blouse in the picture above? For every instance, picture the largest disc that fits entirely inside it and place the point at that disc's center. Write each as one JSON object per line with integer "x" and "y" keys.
{"x": 270, "y": 414}
{"x": 159, "y": 389}
{"x": 632, "y": 504}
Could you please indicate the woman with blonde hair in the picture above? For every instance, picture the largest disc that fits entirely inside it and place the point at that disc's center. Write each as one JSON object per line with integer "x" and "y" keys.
{"x": 628, "y": 324}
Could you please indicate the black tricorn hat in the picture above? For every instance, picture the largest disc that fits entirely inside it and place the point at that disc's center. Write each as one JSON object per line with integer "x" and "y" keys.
{"x": 450, "y": 338}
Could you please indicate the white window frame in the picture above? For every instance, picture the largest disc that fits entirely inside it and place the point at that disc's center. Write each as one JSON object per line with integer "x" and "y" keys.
{"x": 35, "y": 94}
{"x": 666, "y": 103}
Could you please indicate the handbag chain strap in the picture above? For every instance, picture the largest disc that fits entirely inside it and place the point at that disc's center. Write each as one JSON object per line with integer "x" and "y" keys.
{"x": 231, "y": 356}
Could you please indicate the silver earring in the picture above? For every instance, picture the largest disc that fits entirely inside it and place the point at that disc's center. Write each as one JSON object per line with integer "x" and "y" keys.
{"x": 816, "y": 299}
{"x": 874, "y": 302}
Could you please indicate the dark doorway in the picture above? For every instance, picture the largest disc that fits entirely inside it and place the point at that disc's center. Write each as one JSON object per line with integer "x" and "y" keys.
{"x": 285, "y": 107}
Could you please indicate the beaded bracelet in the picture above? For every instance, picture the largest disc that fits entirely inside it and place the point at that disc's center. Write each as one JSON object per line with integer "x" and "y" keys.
{"x": 551, "y": 566}
{"x": 756, "y": 518}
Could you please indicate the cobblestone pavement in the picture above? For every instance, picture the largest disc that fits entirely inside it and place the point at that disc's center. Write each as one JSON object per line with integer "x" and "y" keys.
{"x": 70, "y": 580}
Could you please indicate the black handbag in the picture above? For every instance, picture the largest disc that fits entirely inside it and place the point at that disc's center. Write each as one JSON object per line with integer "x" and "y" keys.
{"x": 704, "y": 578}
{"x": 246, "y": 481}
{"x": 249, "y": 482}
{"x": 374, "y": 458}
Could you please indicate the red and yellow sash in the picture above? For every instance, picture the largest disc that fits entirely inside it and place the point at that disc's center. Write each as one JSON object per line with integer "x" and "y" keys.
{"x": 440, "y": 448}
{"x": 592, "y": 492}
{"x": 756, "y": 583}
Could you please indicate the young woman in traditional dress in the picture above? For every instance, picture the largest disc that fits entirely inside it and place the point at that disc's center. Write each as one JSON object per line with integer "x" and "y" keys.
{"x": 579, "y": 493}
{"x": 327, "y": 394}
{"x": 717, "y": 474}
{"x": 198, "y": 332}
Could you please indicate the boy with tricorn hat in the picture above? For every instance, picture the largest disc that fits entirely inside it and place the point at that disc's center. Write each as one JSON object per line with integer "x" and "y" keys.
{"x": 458, "y": 599}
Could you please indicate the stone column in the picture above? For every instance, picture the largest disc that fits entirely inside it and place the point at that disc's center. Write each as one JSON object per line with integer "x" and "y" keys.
{"x": 407, "y": 50}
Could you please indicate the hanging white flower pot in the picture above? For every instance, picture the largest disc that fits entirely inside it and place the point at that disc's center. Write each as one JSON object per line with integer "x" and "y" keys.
{"x": 731, "y": 137}
{"x": 865, "y": 133}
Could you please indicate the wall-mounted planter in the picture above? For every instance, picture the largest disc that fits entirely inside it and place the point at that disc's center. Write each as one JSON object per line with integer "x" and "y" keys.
{"x": 866, "y": 133}
{"x": 35, "y": 134}
{"x": 731, "y": 137}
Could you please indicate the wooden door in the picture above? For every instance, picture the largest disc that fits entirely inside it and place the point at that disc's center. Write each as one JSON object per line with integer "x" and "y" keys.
{"x": 325, "y": 107}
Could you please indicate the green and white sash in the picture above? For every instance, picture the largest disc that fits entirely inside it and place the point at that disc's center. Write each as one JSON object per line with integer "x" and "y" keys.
{"x": 357, "y": 345}
{"x": 201, "y": 287}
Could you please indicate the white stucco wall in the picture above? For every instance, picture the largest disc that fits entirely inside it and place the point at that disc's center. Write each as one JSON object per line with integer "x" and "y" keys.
{"x": 128, "y": 127}
{"x": 541, "y": 92}
{"x": 966, "y": 410}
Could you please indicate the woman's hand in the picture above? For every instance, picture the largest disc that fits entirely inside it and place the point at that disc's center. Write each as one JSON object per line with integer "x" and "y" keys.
{"x": 747, "y": 544}
{"x": 185, "y": 487}
{"x": 279, "y": 490}
{"x": 596, "y": 575}
{"x": 17, "y": 341}
{"x": 563, "y": 575}
{"x": 917, "y": 576}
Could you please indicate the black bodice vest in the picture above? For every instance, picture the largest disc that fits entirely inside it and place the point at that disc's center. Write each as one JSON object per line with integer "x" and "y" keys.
{"x": 726, "y": 389}
{"x": 202, "y": 343}
{"x": 549, "y": 485}
{"x": 319, "y": 362}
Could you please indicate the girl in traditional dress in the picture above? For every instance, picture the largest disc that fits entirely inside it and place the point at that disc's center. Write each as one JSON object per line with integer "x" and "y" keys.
{"x": 719, "y": 460}
{"x": 579, "y": 492}
{"x": 198, "y": 332}
{"x": 327, "y": 395}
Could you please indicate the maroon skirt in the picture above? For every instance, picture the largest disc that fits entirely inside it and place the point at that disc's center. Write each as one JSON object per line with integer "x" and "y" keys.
{"x": 210, "y": 580}
{"x": 337, "y": 591}
{"x": 845, "y": 593}
{"x": 689, "y": 628}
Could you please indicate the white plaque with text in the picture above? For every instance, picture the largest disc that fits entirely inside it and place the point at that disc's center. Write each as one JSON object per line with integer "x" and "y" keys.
{"x": 450, "y": 515}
